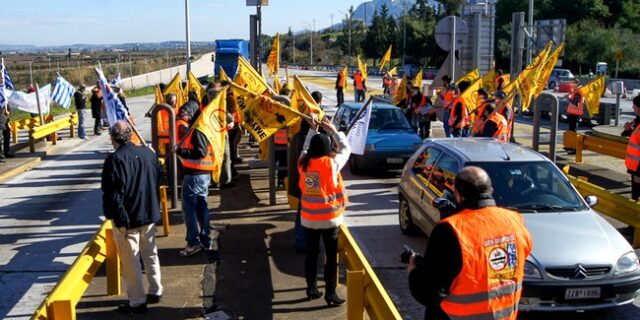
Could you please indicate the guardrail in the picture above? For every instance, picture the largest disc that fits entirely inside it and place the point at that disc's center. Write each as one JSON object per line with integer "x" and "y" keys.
{"x": 364, "y": 290}
{"x": 62, "y": 300}
{"x": 611, "y": 204}
{"x": 582, "y": 142}
{"x": 27, "y": 123}
{"x": 51, "y": 129}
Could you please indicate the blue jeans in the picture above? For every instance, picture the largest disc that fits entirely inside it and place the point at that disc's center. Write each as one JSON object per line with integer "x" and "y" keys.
{"x": 300, "y": 233}
{"x": 81, "y": 133}
{"x": 195, "y": 190}
{"x": 445, "y": 125}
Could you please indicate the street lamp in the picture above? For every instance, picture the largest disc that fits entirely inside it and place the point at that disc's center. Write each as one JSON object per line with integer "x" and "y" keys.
{"x": 349, "y": 24}
{"x": 311, "y": 40}
{"x": 186, "y": 20}
{"x": 404, "y": 28}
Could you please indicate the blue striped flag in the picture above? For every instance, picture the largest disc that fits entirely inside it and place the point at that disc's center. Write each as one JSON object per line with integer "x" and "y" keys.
{"x": 62, "y": 92}
{"x": 116, "y": 81}
{"x": 113, "y": 106}
{"x": 3, "y": 83}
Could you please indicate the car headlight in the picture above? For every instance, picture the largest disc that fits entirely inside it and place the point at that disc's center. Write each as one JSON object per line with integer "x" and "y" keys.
{"x": 370, "y": 148}
{"x": 627, "y": 263}
{"x": 531, "y": 271}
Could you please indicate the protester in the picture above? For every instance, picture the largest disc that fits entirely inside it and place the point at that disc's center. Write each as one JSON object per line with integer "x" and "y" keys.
{"x": 482, "y": 100}
{"x": 445, "y": 98}
{"x": 414, "y": 106}
{"x": 96, "y": 109}
{"x": 340, "y": 84}
{"x": 81, "y": 105}
{"x": 575, "y": 109}
{"x": 317, "y": 97}
{"x": 130, "y": 180}
{"x": 459, "y": 261}
{"x": 235, "y": 133}
{"x": 387, "y": 81}
{"x": 507, "y": 112}
{"x": 4, "y": 125}
{"x": 228, "y": 168}
{"x": 458, "y": 115}
{"x": 499, "y": 80}
{"x": 360, "y": 86}
{"x": 426, "y": 114}
{"x": 323, "y": 201}
{"x": 495, "y": 125}
{"x": 281, "y": 140}
{"x": 632, "y": 157}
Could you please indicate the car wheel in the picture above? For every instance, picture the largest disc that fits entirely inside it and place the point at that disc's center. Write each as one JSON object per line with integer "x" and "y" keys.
{"x": 404, "y": 216}
{"x": 353, "y": 165}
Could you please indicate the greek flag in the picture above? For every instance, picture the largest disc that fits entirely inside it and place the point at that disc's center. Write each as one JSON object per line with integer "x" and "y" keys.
{"x": 116, "y": 81}
{"x": 113, "y": 106}
{"x": 62, "y": 92}
{"x": 5, "y": 82}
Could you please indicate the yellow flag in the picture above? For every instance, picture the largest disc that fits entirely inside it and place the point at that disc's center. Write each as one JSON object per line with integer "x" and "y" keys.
{"x": 175, "y": 87}
{"x": 527, "y": 80}
{"x": 385, "y": 59}
{"x": 393, "y": 71}
{"x": 273, "y": 62}
{"x": 302, "y": 100}
{"x": 288, "y": 82}
{"x": 592, "y": 92}
{"x": 212, "y": 123}
{"x": 249, "y": 78}
{"x": 194, "y": 85}
{"x": 547, "y": 69}
{"x": 363, "y": 68}
{"x": 276, "y": 83}
{"x": 401, "y": 93}
{"x": 345, "y": 74}
{"x": 223, "y": 75}
{"x": 470, "y": 77}
{"x": 489, "y": 81}
{"x": 159, "y": 96}
{"x": 417, "y": 81}
{"x": 470, "y": 96}
{"x": 262, "y": 115}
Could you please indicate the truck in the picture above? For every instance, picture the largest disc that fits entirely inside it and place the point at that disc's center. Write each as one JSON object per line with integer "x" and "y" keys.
{"x": 227, "y": 54}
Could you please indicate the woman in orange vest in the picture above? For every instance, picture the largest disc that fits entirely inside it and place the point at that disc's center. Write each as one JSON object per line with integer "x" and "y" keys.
{"x": 574, "y": 109}
{"x": 322, "y": 203}
{"x": 458, "y": 117}
{"x": 478, "y": 112}
{"x": 507, "y": 112}
{"x": 632, "y": 158}
{"x": 495, "y": 126}
{"x": 473, "y": 267}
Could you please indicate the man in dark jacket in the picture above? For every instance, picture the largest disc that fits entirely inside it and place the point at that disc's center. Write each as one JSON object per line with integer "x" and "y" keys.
{"x": 81, "y": 105}
{"x": 96, "y": 109}
{"x": 130, "y": 199}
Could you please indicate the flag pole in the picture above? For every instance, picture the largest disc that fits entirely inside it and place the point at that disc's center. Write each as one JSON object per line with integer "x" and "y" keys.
{"x": 38, "y": 103}
{"x": 355, "y": 118}
{"x": 253, "y": 94}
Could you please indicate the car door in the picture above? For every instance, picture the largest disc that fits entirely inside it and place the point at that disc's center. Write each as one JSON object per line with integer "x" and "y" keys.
{"x": 418, "y": 186}
{"x": 440, "y": 184}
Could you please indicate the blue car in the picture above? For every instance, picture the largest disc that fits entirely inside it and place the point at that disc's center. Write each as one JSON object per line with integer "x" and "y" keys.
{"x": 390, "y": 142}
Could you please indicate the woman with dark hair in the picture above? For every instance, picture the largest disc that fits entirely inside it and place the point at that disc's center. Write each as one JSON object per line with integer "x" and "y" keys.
{"x": 322, "y": 202}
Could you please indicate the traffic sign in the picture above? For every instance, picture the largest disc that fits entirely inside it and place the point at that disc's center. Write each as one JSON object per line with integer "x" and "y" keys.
{"x": 443, "y": 32}
{"x": 619, "y": 56}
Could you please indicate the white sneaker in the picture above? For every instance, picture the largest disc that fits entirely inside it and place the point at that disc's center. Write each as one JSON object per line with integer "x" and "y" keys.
{"x": 190, "y": 250}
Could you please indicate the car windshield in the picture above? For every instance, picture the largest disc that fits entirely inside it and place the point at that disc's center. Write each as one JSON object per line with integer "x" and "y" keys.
{"x": 531, "y": 187}
{"x": 386, "y": 119}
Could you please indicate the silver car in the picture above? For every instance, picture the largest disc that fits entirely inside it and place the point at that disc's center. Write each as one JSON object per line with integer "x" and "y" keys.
{"x": 579, "y": 261}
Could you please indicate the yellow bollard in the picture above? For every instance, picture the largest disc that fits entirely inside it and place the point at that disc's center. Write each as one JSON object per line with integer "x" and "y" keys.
{"x": 164, "y": 208}
{"x": 112, "y": 262}
{"x": 61, "y": 309}
{"x": 355, "y": 295}
{"x": 636, "y": 238}
{"x": 579, "y": 147}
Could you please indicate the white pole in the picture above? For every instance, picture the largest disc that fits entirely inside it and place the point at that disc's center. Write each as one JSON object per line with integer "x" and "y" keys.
{"x": 31, "y": 72}
{"x": 38, "y": 102}
{"x": 453, "y": 48}
{"x": 186, "y": 19}
{"x": 530, "y": 38}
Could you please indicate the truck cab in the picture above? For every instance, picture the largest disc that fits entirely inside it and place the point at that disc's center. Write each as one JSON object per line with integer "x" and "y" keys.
{"x": 227, "y": 54}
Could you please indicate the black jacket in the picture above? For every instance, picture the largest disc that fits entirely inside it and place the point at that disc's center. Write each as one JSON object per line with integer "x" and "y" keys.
{"x": 200, "y": 146}
{"x": 96, "y": 103}
{"x": 80, "y": 99}
{"x": 130, "y": 187}
{"x": 442, "y": 263}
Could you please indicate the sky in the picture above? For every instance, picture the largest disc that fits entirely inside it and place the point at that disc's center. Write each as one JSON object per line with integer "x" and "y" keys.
{"x": 64, "y": 22}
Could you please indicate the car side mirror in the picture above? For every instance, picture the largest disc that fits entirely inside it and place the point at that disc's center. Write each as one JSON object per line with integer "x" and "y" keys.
{"x": 445, "y": 206}
{"x": 592, "y": 201}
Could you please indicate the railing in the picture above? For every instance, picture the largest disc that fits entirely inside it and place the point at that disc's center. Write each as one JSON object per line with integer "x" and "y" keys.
{"x": 364, "y": 290}
{"x": 27, "y": 123}
{"x": 611, "y": 204}
{"x": 62, "y": 300}
{"x": 51, "y": 129}
{"x": 596, "y": 144}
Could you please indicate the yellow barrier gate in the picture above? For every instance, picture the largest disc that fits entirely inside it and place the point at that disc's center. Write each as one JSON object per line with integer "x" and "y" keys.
{"x": 62, "y": 300}
{"x": 611, "y": 204}
{"x": 164, "y": 210}
{"x": 364, "y": 290}
{"x": 27, "y": 123}
{"x": 582, "y": 142}
{"x": 51, "y": 129}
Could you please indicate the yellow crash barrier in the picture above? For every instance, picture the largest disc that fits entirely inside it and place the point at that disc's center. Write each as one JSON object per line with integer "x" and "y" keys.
{"x": 364, "y": 290}
{"x": 611, "y": 204}
{"x": 164, "y": 210}
{"x": 62, "y": 300}
{"x": 51, "y": 129}
{"x": 27, "y": 123}
{"x": 582, "y": 142}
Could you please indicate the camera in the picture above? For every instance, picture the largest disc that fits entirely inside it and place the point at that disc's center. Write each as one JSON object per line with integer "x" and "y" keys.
{"x": 407, "y": 253}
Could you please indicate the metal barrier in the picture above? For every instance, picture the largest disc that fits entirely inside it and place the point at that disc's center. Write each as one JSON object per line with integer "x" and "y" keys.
{"x": 582, "y": 142}
{"x": 164, "y": 210}
{"x": 364, "y": 290}
{"x": 611, "y": 204}
{"x": 51, "y": 129}
{"x": 23, "y": 124}
{"x": 62, "y": 300}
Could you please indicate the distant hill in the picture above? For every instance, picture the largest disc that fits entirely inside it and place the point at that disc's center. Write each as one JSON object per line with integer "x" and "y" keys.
{"x": 93, "y": 47}
{"x": 369, "y": 7}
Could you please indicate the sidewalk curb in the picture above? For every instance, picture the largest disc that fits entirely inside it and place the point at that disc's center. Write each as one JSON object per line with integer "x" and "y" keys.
{"x": 20, "y": 169}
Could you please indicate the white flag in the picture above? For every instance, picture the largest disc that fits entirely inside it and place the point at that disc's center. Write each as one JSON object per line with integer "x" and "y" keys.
{"x": 27, "y": 102}
{"x": 357, "y": 136}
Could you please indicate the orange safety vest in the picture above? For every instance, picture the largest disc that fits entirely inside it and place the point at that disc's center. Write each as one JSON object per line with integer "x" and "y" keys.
{"x": 204, "y": 164}
{"x": 447, "y": 97}
{"x": 465, "y": 114}
{"x": 321, "y": 200}
{"x": 478, "y": 121}
{"x": 503, "y": 111}
{"x": 494, "y": 244}
{"x": 632, "y": 158}
{"x": 180, "y": 132}
{"x": 341, "y": 80}
{"x": 357, "y": 79}
{"x": 501, "y": 123}
{"x": 575, "y": 108}
{"x": 281, "y": 137}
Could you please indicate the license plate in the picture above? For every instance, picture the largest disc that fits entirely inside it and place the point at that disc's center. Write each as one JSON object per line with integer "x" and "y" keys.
{"x": 394, "y": 160}
{"x": 582, "y": 293}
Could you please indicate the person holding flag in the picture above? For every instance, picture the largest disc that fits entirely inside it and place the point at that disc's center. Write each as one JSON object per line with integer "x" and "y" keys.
{"x": 459, "y": 116}
{"x": 359, "y": 85}
{"x": 5, "y": 81}
{"x": 341, "y": 85}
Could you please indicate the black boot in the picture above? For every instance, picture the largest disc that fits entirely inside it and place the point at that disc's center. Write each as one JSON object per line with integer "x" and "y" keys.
{"x": 333, "y": 300}
{"x": 313, "y": 293}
